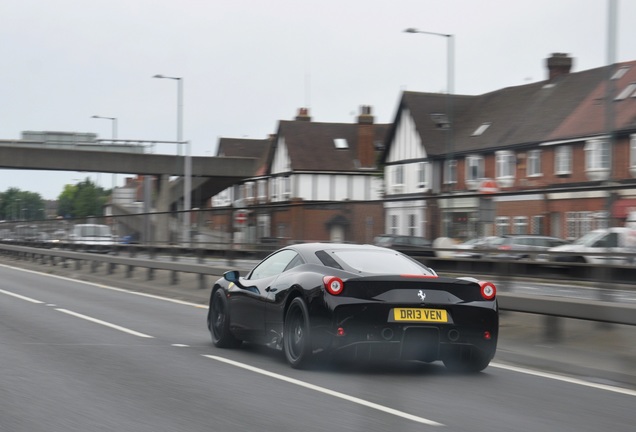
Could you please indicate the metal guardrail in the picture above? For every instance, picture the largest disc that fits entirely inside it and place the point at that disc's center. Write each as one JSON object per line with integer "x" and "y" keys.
{"x": 593, "y": 310}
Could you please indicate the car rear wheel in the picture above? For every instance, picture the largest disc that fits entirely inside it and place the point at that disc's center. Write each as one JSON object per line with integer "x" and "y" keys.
{"x": 219, "y": 322}
{"x": 296, "y": 337}
{"x": 476, "y": 361}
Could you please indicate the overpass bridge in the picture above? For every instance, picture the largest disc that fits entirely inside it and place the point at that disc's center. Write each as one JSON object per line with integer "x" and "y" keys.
{"x": 210, "y": 175}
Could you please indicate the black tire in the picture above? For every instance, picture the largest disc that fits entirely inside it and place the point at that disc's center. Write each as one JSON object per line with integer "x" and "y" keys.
{"x": 296, "y": 334}
{"x": 219, "y": 321}
{"x": 475, "y": 362}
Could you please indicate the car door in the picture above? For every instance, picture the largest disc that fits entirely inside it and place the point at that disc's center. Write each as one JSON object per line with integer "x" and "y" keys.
{"x": 247, "y": 305}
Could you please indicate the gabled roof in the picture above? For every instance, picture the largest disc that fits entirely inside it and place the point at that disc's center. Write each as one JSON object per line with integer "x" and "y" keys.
{"x": 249, "y": 148}
{"x": 567, "y": 106}
{"x": 589, "y": 118}
{"x": 311, "y": 146}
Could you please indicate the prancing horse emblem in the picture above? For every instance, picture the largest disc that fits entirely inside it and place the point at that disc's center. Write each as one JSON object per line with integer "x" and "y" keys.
{"x": 421, "y": 295}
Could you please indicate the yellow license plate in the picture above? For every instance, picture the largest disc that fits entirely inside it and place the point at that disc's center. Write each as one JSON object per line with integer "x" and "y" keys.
{"x": 420, "y": 315}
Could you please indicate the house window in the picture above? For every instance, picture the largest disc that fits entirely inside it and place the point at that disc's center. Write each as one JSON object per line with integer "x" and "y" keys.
{"x": 421, "y": 175}
{"x": 394, "y": 224}
{"x": 249, "y": 192}
{"x": 597, "y": 159}
{"x": 474, "y": 168}
{"x": 502, "y": 225}
{"x": 534, "y": 163}
{"x": 273, "y": 188}
{"x": 520, "y": 225}
{"x": 450, "y": 171}
{"x": 412, "y": 225}
{"x": 261, "y": 187}
{"x": 578, "y": 224}
{"x": 632, "y": 155}
{"x": 398, "y": 175}
{"x": 286, "y": 187}
{"x": 505, "y": 165}
{"x": 563, "y": 160}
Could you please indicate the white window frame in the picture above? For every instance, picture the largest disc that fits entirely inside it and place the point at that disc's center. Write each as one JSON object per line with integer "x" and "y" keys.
{"x": 286, "y": 187}
{"x": 520, "y": 225}
{"x": 505, "y": 167}
{"x": 502, "y": 225}
{"x": 533, "y": 167}
{"x": 261, "y": 190}
{"x": 412, "y": 228}
{"x": 394, "y": 220}
{"x": 563, "y": 160}
{"x": 632, "y": 155}
{"x": 421, "y": 175}
{"x": 249, "y": 192}
{"x": 597, "y": 159}
{"x": 273, "y": 189}
{"x": 450, "y": 171}
{"x": 474, "y": 163}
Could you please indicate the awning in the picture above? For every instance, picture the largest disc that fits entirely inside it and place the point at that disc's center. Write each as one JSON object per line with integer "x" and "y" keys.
{"x": 622, "y": 207}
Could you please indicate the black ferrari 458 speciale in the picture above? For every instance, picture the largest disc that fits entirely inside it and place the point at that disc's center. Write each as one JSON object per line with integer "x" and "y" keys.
{"x": 361, "y": 301}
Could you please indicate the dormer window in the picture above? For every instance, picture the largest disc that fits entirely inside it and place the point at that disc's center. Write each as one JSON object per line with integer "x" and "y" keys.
{"x": 620, "y": 72}
{"x": 341, "y": 143}
{"x": 481, "y": 129}
{"x": 628, "y": 91}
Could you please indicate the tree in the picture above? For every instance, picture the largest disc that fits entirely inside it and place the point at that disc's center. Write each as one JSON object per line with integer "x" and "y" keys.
{"x": 82, "y": 200}
{"x": 16, "y": 204}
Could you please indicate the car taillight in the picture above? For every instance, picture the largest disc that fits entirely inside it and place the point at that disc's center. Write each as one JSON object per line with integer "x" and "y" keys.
{"x": 505, "y": 247}
{"x": 333, "y": 285}
{"x": 488, "y": 290}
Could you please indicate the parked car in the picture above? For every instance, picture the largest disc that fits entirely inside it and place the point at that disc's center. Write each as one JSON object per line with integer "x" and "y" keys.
{"x": 604, "y": 242}
{"x": 523, "y": 247}
{"x": 405, "y": 243}
{"x": 359, "y": 301}
{"x": 474, "y": 248}
{"x": 92, "y": 237}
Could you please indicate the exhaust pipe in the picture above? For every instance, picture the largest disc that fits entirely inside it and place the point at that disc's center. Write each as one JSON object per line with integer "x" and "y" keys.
{"x": 387, "y": 333}
{"x": 453, "y": 335}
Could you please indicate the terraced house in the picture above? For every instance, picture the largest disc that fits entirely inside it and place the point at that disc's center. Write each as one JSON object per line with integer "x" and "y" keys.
{"x": 316, "y": 182}
{"x": 553, "y": 157}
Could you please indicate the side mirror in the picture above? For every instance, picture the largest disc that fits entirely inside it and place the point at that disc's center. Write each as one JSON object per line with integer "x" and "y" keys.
{"x": 231, "y": 276}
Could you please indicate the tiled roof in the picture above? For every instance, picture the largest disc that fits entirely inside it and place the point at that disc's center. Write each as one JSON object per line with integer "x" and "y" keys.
{"x": 311, "y": 145}
{"x": 568, "y": 106}
{"x": 250, "y": 148}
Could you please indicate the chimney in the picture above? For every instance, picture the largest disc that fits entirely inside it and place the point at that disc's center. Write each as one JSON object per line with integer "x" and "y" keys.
{"x": 559, "y": 64}
{"x": 303, "y": 114}
{"x": 366, "y": 135}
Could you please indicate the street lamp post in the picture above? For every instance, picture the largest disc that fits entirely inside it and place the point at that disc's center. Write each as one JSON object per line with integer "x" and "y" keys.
{"x": 114, "y": 137}
{"x": 450, "y": 79}
{"x": 187, "y": 161}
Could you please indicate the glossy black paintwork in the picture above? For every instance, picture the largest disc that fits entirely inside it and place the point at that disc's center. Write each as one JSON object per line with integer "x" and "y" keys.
{"x": 257, "y": 306}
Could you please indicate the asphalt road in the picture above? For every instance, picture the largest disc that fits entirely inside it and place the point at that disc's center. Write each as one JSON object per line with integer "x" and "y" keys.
{"x": 77, "y": 356}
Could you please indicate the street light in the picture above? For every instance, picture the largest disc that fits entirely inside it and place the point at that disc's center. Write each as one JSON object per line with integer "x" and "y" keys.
{"x": 450, "y": 79}
{"x": 187, "y": 162}
{"x": 114, "y": 137}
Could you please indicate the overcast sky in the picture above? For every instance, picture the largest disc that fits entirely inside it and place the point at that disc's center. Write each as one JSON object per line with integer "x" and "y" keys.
{"x": 248, "y": 64}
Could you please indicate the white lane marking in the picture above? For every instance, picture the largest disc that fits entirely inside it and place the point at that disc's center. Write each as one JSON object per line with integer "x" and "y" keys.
{"x": 104, "y": 323}
{"x": 327, "y": 391}
{"x": 95, "y": 284}
{"x": 566, "y": 379}
{"x": 21, "y": 297}
{"x": 181, "y": 345}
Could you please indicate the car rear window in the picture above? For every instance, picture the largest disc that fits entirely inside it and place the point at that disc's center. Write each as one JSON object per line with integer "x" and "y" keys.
{"x": 374, "y": 261}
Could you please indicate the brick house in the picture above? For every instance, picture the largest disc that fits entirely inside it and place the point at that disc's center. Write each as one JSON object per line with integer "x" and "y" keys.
{"x": 548, "y": 150}
{"x": 316, "y": 182}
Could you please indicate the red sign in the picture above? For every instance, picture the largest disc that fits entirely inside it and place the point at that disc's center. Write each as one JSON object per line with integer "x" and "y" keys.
{"x": 488, "y": 186}
{"x": 240, "y": 217}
